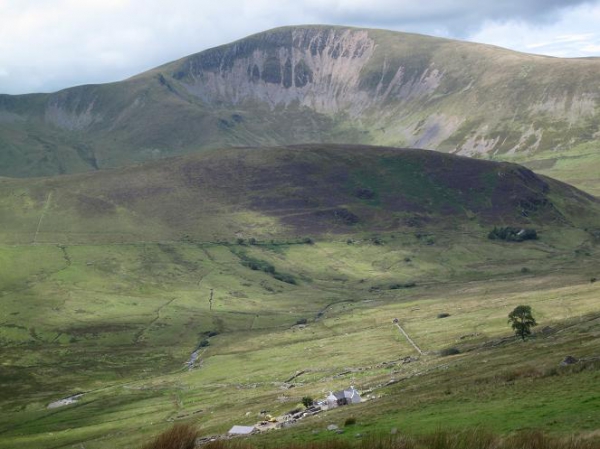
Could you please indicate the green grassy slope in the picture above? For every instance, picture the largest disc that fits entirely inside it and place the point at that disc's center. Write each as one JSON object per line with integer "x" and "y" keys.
{"x": 105, "y": 283}
{"x": 344, "y": 85}
{"x": 119, "y": 321}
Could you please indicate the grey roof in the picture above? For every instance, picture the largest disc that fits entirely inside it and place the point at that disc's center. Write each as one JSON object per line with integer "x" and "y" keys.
{"x": 347, "y": 394}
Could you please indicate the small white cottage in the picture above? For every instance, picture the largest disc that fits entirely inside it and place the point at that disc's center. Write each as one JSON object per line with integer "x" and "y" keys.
{"x": 343, "y": 397}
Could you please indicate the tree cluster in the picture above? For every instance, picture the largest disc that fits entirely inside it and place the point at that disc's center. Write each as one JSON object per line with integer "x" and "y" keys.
{"x": 511, "y": 234}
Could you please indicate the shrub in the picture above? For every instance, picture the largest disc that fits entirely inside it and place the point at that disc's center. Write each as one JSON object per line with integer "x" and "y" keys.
{"x": 443, "y": 315}
{"x": 307, "y": 401}
{"x": 449, "y": 351}
{"x": 263, "y": 265}
{"x": 258, "y": 265}
{"x": 285, "y": 277}
{"x": 204, "y": 343}
{"x": 511, "y": 234}
{"x": 302, "y": 321}
{"x": 402, "y": 285}
{"x": 308, "y": 241}
{"x": 350, "y": 421}
{"x": 180, "y": 436}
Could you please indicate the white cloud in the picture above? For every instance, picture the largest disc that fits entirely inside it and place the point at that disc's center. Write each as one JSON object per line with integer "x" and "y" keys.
{"x": 562, "y": 40}
{"x": 50, "y": 44}
{"x": 575, "y": 34}
{"x": 591, "y": 48}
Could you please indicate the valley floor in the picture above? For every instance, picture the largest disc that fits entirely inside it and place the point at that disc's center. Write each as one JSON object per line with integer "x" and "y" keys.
{"x": 118, "y": 323}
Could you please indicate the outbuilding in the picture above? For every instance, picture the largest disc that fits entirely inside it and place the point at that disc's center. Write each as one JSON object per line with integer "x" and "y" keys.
{"x": 241, "y": 430}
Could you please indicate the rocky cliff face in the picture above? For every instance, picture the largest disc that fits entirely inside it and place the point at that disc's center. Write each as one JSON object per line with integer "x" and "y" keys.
{"x": 321, "y": 69}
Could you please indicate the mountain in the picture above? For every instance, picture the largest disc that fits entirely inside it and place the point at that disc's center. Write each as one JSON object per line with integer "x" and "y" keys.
{"x": 285, "y": 192}
{"x": 316, "y": 84}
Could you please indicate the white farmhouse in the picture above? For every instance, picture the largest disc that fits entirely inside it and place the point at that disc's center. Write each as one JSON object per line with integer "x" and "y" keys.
{"x": 343, "y": 397}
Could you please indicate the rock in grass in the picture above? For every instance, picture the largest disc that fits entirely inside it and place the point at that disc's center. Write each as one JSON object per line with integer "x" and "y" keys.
{"x": 568, "y": 360}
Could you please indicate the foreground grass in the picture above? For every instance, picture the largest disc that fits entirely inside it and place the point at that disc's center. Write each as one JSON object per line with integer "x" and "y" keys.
{"x": 184, "y": 437}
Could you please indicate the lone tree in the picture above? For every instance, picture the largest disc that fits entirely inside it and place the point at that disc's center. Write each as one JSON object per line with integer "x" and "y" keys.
{"x": 521, "y": 321}
{"x": 307, "y": 401}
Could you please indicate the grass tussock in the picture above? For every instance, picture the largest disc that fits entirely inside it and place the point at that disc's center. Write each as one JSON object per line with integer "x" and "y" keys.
{"x": 180, "y": 436}
{"x": 539, "y": 440}
{"x": 474, "y": 439}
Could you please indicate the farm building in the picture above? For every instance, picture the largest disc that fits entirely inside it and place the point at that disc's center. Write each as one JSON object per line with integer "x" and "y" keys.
{"x": 343, "y": 397}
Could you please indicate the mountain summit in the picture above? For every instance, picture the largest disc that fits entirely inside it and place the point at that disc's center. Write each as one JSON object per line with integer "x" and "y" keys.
{"x": 310, "y": 84}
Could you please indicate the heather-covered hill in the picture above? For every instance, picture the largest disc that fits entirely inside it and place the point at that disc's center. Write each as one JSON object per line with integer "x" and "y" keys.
{"x": 287, "y": 191}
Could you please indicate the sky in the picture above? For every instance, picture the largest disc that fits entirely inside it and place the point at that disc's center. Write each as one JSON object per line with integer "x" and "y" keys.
{"x": 47, "y": 45}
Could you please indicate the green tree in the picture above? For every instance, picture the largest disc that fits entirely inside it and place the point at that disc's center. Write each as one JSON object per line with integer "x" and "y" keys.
{"x": 307, "y": 401}
{"x": 521, "y": 320}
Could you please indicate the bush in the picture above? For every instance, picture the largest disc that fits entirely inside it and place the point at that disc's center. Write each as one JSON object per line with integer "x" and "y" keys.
{"x": 258, "y": 265}
{"x": 510, "y": 234}
{"x": 180, "y": 436}
{"x": 285, "y": 277}
{"x": 449, "y": 351}
{"x": 377, "y": 241}
{"x": 350, "y": 421}
{"x": 302, "y": 321}
{"x": 266, "y": 267}
{"x": 204, "y": 343}
{"x": 402, "y": 285}
{"x": 443, "y": 315}
{"x": 307, "y": 401}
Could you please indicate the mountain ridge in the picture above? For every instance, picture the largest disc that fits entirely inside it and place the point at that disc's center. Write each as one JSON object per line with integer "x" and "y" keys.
{"x": 311, "y": 84}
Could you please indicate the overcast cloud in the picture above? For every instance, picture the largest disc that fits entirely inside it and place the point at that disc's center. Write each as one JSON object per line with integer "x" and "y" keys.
{"x": 47, "y": 45}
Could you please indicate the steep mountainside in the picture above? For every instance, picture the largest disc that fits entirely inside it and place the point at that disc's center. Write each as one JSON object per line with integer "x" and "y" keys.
{"x": 288, "y": 192}
{"x": 311, "y": 84}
